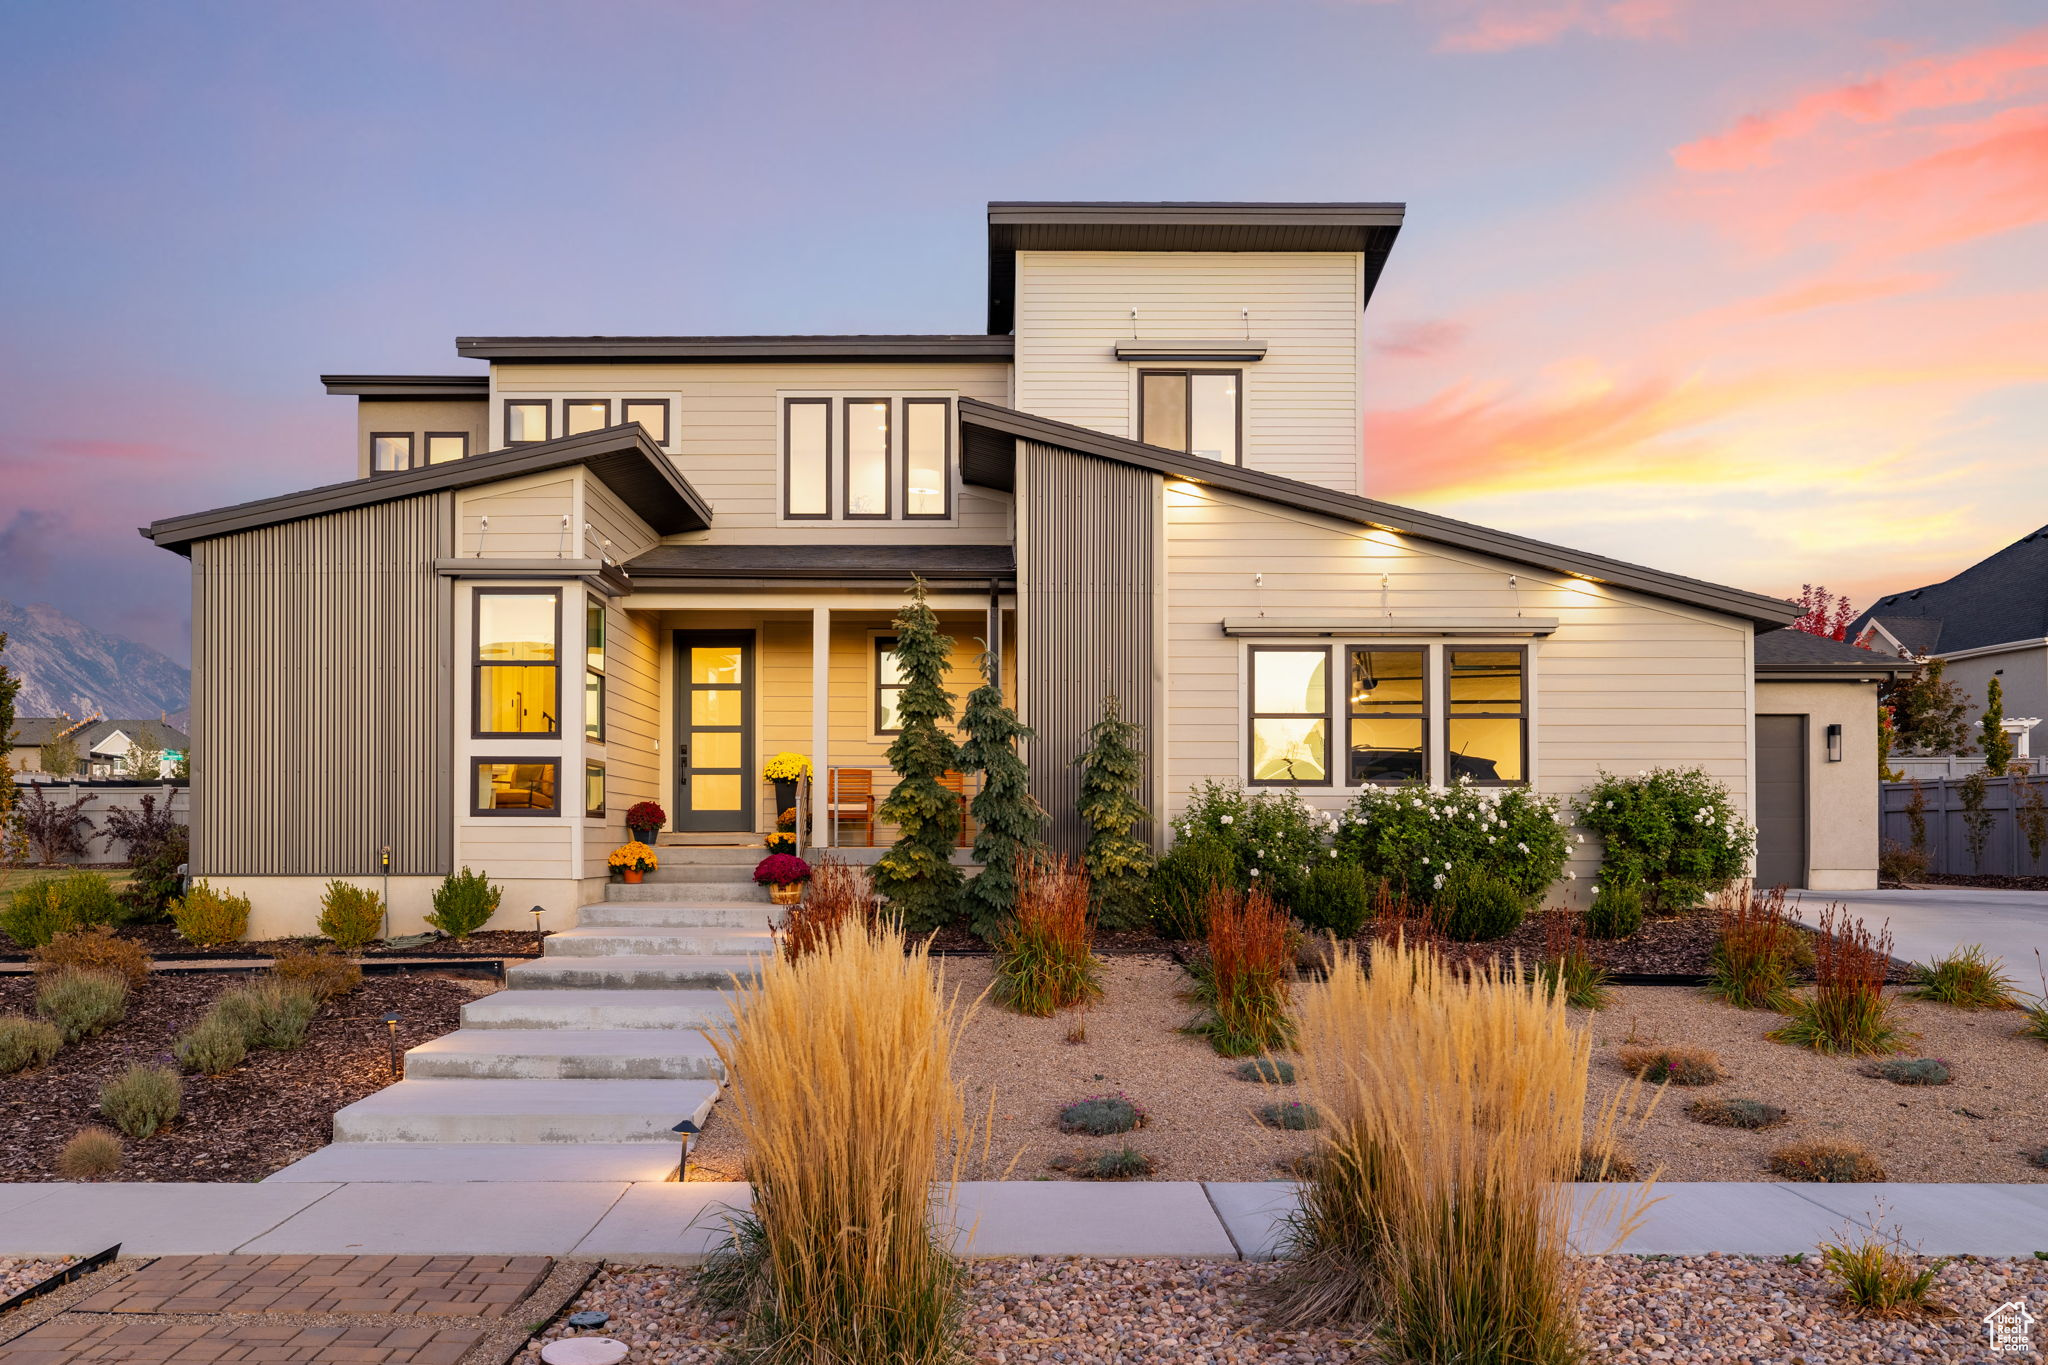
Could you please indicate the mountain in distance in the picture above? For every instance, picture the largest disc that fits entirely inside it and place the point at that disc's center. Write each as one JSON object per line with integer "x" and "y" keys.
{"x": 68, "y": 668}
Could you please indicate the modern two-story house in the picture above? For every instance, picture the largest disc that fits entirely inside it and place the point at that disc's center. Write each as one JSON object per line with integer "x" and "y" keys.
{"x": 612, "y": 569}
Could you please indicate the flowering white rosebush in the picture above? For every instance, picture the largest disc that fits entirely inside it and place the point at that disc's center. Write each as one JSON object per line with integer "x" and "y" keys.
{"x": 1674, "y": 830}
{"x": 1414, "y": 837}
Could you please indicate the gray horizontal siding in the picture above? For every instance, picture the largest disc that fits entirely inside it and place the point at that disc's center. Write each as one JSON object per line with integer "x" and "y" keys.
{"x": 321, "y": 710}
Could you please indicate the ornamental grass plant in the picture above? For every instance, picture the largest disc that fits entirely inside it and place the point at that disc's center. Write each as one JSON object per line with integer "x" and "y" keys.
{"x": 1758, "y": 951}
{"x": 1045, "y": 960}
{"x": 838, "y": 895}
{"x": 1967, "y": 979}
{"x": 1247, "y": 981}
{"x": 1847, "y": 1014}
{"x": 1877, "y": 1276}
{"x": 90, "y": 1153}
{"x": 1453, "y": 1104}
{"x": 842, "y": 1088}
{"x": 1568, "y": 965}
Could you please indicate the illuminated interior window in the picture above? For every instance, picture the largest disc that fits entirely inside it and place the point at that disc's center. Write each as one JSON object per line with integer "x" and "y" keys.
{"x": 518, "y": 679}
{"x": 1289, "y": 691}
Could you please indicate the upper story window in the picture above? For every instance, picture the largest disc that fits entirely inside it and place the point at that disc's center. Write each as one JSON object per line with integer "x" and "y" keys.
{"x": 651, "y": 413}
{"x": 1199, "y": 411}
{"x": 518, "y": 675}
{"x": 390, "y": 451}
{"x": 593, "y": 670}
{"x": 527, "y": 420}
{"x": 585, "y": 414}
{"x": 867, "y": 459}
{"x": 444, "y": 447}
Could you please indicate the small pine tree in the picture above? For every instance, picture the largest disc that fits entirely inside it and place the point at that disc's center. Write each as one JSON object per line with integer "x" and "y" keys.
{"x": 917, "y": 874}
{"x": 1118, "y": 866}
{"x": 1991, "y": 731}
{"x": 1007, "y": 817}
{"x": 10, "y": 831}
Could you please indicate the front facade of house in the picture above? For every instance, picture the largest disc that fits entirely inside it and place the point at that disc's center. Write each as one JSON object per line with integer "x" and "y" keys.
{"x": 618, "y": 569}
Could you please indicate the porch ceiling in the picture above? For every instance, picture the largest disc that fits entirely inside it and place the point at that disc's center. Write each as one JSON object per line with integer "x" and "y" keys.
{"x": 829, "y": 563}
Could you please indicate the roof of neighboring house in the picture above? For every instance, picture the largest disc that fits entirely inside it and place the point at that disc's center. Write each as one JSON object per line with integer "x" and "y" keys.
{"x": 780, "y": 348}
{"x": 988, "y": 457}
{"x": 41, "y": 730}
{"x": 1015, "y": 226}
{"x": 1993, "y": 602}
{"x": 792, "y": 560}
{"x": 622, "y": 457}
{"x": 409, "y": 385}
{"x": 1796, "y": 651}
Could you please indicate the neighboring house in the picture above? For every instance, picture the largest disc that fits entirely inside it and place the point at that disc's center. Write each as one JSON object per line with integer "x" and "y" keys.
{"x": 101, "y": 746}
{"x": 1990, "y": 620}
{"x": 664, "y": 559}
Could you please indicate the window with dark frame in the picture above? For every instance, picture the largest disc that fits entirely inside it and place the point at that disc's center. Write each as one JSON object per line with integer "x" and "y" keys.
{"x": 865, "y": 447}
{"x": 1198, "y": 411}
{"x": 1289, "y": 721}
{"x": 927, "y": 458}
{"x": 390, "y": 451}
{"x": 515, "y": 786}
{"x": 807, "y": 459}
{"x": 593, "y": 789}
{"x": 651, "y": 413}
{"x": 888, "y": 686}
{"x": 585, "y": 414}
{"x": 1387, "y": 722}
{"x": 446, "y": 447}
{"x": 1486, "y": 713}
{"x": 593, "y": 670}
{"x": 517, "y": 662}
{"x": 526, "y": 421}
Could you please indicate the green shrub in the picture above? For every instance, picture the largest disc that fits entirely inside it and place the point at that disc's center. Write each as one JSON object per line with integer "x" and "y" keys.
{"x": 1181, "y": 882}
{"x": 1268, "y": 1070}
{"x": 81, "y": 1004}
{"x": 210, "y": 918}
{"x": 1735, "y": 1113}
{"x": 351, "y": 916}
{"x": 50, "y": 906}
{"x": 1292, "y": 1115}
{"x": 1827, "y": 1160}
{"x": 1617, "y": 908}
{"x": 212, "y": 1047}
{"x": 91, "y": 1153}
{"x": 1101, "y": 1115}
{"x": 153, "y": 878}
{"x": 93, "y": 950}
{"x": 1273, "y": 833}
{"x": 26, "y": 1042}
{"x": 1411, "y": 835}
{"x": 269, "y": 1013}
{"x": 142, "y": 1099}
{"x": 1478, "y": 906}
{"x": 1332, "y": 899}
{"x": 1125, "y": 1163}
{"x": 463, "y": 903}
{"x": 1968, "y": 979}
{"x": 328, "y": 975}
{"x": 1916, "y": 1071}
{"x": 1674, "y": 831}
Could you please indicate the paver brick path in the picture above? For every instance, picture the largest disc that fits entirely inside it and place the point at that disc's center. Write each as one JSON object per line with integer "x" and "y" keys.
{"x": 94, "y": 1340}
{"x": 429, "y": 1286}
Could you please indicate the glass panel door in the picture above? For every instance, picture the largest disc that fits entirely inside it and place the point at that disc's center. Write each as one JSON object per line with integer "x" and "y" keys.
{"x": 715, "y": 731}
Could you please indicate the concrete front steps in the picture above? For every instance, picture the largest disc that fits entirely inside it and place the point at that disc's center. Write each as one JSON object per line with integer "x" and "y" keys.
{"x": 595, "y": 1047}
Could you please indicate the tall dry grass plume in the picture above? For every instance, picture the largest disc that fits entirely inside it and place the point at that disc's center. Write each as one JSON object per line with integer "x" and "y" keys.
{"x": 1758, "y": 951}
{"x": 837, "y": 894}
{"x": 1045, "y": 960}
{"x": 840, "y": 1062}
{"x": 1454, "y": 1108}
{"x": 1847, "y": 1014}
{"x": 1247, "y": 980}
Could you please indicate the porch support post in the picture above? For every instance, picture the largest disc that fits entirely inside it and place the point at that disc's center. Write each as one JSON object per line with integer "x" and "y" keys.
{"x": 821, "y": 726}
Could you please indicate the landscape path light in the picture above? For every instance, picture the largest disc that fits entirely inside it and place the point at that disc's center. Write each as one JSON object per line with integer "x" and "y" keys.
{"x": 391, "y": 1041}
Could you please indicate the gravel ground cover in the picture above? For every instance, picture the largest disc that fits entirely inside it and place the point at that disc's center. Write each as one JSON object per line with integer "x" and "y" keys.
{"x": 1080, "y": 1312}
{"x": 17, "y": 1275}
{"x": 265, "y": 1114}
{"x": 1203, "y": 1122}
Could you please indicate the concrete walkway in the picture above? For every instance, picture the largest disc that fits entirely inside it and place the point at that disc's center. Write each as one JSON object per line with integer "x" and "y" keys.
{"x": 678, "y": 1223}
{"x": 1934, "y": 922}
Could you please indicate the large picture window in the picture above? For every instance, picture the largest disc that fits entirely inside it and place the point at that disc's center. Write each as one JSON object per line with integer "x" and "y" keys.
{"x": 868, "y": 459}
{"x": 1486, "y": 713}
{"x": 1388, "y": 722}
{"x": 1290, "y": 716}
{"x": 1198, "y": 411}
{"x": 593, "y": 670}
{"x": 888, "y": 686}
{"x": 516, "y": 786}
{"x": 518, "y": 674}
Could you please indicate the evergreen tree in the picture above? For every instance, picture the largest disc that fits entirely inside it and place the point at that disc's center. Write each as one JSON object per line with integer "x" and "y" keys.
{"x": 1997, "y": 743}
{"x": 10, "y": 832}
{"x": 917, "y": 874}
{"x": 1118, "y": 865}
{"x": 1007, "y": 817}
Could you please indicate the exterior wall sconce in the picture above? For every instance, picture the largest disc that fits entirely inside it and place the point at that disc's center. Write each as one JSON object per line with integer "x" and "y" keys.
{"x": 1834, "y": 744}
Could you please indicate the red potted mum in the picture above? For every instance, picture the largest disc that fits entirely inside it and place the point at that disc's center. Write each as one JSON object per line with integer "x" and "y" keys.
{"x": 784, "y": 874}
{"x": 645, "y": 819}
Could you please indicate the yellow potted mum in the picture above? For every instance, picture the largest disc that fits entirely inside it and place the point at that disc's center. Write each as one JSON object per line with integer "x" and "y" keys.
{"x": 785, "y": 770}
{"x": 634, "y": 860}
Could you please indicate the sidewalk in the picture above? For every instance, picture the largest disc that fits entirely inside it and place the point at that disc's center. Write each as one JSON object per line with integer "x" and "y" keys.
{"x": 679, "y": 1223}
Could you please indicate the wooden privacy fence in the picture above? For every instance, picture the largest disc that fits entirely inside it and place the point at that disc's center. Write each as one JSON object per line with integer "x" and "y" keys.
{"x": 2006, "y": 804}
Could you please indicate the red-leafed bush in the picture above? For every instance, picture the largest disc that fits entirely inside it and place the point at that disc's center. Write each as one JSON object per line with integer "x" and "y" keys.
{"x": 780, "y": 869}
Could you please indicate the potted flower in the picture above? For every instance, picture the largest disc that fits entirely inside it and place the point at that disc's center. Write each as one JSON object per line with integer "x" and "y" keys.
{"x": 784, "y": 874}
{"x": 785, "y": 770}
{"x": 645, "y": 820}
{"x": 781, "y": 841}
{"x": 634, "y": 860}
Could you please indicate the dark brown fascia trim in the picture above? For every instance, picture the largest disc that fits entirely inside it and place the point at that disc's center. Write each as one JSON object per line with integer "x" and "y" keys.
{"x": 408, "y": 385}
{"x": 687, "y": 512}
{"x": 1769, "y": 612}
{"x": 971, "y": 347}
{"x": 1872, "y": 672}
{"x": 1199, "y": 213}
{"x": 645, "y": 580}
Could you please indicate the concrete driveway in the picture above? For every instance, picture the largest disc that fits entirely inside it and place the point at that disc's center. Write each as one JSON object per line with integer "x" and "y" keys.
{"x": 1927, "y": 924}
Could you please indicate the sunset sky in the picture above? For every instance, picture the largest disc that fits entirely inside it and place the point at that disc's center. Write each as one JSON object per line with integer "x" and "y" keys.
{"x": 1754, "y": 290}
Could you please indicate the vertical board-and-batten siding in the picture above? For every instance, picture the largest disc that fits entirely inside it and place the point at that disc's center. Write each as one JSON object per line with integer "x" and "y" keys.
{"x": 321, "y": 712}
{"x": 1085, "y": 607}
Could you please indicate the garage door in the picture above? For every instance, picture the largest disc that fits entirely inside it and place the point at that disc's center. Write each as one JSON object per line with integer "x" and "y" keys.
{"x": 1781, "y": 800}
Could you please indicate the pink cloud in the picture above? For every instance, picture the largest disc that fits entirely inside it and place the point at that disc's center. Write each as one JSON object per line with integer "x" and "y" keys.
{"x": 1411, "y": 340}
{"x": 1505, "y": 27}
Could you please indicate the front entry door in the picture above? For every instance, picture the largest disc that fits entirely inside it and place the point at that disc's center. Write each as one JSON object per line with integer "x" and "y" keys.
{"x": 715, "y": 730}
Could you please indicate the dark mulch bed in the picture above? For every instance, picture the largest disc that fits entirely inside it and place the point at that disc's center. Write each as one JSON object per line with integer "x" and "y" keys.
{"x": 267, "y": 1113}
{"x": 162, "y": 941}
{"x": 1983, "y": 882}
